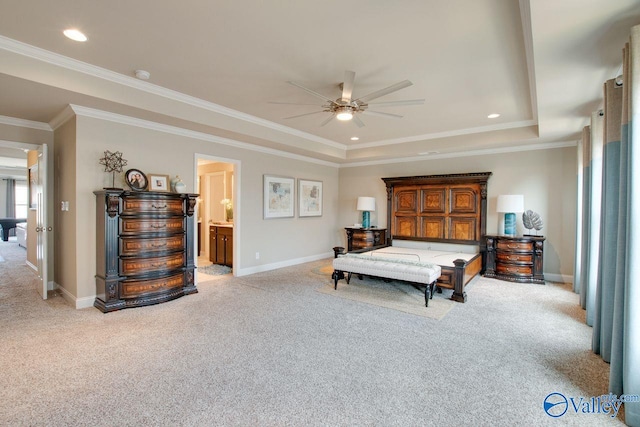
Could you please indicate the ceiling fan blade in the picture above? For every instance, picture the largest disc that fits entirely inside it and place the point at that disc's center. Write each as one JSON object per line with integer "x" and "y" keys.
{"x": 312, "y": 92}
{"x": 357, "y": 121}
{"x": 302, "y": 115}
{"x": 290, "y": 103}
{"x": 398, "y": 103}
{"x": 347, "y": 85}
{"x": 378, "y": 113}
{"x": 382, "y": 92}
{"x": 324, "y": 122}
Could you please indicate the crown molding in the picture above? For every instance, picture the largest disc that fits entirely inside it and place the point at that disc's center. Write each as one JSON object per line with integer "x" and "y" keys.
{"x": 121, "y": 79}
{"x": 63, "y": 117}
{"x": 481, "y": 152}
{"x": 12, "y": 121}
{"x": 447, "y": 134}
{"x": 174, "y": 130}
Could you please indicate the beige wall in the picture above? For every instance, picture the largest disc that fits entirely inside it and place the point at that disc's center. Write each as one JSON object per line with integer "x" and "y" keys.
{"x": 32, "y": 238}
{"x": 65, "y": 221}
{"x": 546, "y": 178}
{"x": 279, "y": 241}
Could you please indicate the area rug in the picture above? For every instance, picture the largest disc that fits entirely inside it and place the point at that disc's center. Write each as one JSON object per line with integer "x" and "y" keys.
{"x": 214, "y": 269}
{"x": 395, "y": 295}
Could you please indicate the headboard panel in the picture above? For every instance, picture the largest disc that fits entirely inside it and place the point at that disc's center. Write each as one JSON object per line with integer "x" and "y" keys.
{"x": 438, "y": 208}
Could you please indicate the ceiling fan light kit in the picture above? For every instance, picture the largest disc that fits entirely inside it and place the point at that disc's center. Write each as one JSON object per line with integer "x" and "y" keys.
{"x": 345, "y": 108}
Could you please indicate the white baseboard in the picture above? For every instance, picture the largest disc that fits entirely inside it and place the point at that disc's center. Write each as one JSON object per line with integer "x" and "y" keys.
{"x": 560, "y": 278}
{"x": 33, "y": 267}
{"x": 281, "y": 264}
{"x": 78, "y": 303}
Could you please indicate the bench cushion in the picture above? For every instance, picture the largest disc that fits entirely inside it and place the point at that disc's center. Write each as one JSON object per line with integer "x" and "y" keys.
{"x": 410, "y": 271}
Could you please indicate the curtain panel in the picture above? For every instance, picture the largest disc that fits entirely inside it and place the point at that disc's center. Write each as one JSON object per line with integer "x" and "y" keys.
{"x": 608, "y": 275}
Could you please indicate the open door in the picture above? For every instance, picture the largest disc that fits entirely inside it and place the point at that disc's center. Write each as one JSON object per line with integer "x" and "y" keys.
{"x": 42, "y": 227}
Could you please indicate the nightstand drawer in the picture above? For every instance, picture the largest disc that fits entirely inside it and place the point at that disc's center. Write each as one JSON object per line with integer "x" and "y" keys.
{"x": 514, "y": 246}
{"x": 514, "y": 257}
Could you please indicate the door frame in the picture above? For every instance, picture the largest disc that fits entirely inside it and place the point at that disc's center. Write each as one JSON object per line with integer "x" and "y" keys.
{"x": 46, "y": 191}
{"x": 237, "y": 214}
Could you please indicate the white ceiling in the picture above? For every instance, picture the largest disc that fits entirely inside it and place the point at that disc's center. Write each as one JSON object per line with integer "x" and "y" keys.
{"x": 216, "y": 66}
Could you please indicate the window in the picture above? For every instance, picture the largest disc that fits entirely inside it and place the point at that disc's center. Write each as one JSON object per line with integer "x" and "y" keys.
{"x": 21, "y": 199}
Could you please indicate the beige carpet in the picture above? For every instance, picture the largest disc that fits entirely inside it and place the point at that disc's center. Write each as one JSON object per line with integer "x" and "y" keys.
{"x": 395, "y": 295}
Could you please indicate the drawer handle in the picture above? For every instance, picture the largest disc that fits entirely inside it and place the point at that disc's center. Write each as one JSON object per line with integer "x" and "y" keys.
{"x": 512, "y": 246}
{"x": 157, "y": 265}
{"x": 159, "y": 207}
{"x": 153, "y": 245}
{"x": 158, "y": 226}
{"x": 513, "y": 258}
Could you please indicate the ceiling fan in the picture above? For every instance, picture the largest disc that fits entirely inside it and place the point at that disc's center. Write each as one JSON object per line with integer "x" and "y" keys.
{"x": 345, "y": 108}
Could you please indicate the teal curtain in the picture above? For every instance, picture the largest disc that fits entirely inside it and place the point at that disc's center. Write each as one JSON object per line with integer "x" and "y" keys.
{"x": 612, "y": 235}
{"x": 609, "y": 245}
{"x": 591, "y": 222}
{"x": 586, "y": 197}
{"x": 579, "y": 213}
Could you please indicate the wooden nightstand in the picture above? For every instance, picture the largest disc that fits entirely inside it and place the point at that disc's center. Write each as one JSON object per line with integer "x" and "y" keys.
{"x": 361, "y": 238}
{"x": 516, "y": 259}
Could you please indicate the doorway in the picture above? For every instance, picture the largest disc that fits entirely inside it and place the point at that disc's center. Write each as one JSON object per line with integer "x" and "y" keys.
{"x": 218, "y": 218}
{"x": 23, "y": 167}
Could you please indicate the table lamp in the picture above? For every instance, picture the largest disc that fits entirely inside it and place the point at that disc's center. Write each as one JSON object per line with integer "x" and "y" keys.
{"x": 510, "y": 204}
{"x": 366, "y": 205}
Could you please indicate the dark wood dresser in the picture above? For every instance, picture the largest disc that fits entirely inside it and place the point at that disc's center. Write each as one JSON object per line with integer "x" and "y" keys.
{"x": 517, "y": 259}
{"x": 361, "y": 238}
{"x": 145, "y": 248}
{"x": 221, "y": 245}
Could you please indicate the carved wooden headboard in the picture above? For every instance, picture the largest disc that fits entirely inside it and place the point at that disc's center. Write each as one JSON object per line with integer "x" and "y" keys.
{"x": 438, "y": 208}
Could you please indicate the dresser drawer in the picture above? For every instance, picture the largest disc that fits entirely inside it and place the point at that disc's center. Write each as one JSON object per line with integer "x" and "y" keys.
{"x": 133, "y": 205}
{"x": 514, "y": 269}
{"x": 160, "y": 225}
{"x": 136, "y": 288}
{"x": 137, "y": 245}
{"x": 514, "y": 257}
{"x": 132, "y": 266}
{"x": 514, "y": 246}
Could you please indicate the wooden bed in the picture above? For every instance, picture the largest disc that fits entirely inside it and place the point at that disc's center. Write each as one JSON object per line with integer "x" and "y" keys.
{"x": 430, "y": 212}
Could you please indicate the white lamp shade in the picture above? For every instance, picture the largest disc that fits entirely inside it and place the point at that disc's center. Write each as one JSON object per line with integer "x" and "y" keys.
{"x": 510, "y": 203}
{"x": 366, "y": 204}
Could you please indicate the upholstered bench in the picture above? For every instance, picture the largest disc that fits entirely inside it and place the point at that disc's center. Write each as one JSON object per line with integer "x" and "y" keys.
{"x": 21, "y": 234}
{"x": 387, "y": 268}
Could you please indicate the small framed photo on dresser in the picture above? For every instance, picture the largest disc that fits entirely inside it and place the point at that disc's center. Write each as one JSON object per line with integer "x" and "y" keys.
{"x": 158, "y": 182}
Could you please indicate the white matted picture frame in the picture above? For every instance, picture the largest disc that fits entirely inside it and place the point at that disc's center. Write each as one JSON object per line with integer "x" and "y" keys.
{"x": 279, "y": 196}
{"x": 309, "y": 198}
{"x": 158, "y": 182}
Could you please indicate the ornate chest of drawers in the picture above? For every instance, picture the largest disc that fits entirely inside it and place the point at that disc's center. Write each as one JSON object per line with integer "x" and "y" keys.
{"x": 145, "y": 248}
{"x": 517, "y": 259}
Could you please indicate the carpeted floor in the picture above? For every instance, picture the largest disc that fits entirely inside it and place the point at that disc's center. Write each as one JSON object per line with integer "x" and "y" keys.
{"x": 269, "y": 350}
{"x": 394, "y": 295}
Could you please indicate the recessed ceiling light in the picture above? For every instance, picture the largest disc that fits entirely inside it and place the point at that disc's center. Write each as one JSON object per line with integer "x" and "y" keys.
{"x": 354, "y": 138}
{"x": 74, "y": 34}
{"x": 493, "y": 116}
{"x": 428, "y": 153}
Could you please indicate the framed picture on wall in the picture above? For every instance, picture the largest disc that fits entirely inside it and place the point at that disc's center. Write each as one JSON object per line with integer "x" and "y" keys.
{"x": 309, "y": 198}
{"x": 158, "y": 182}
{"x": 279, "y": 193}
{"x": 33, "y": 185}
